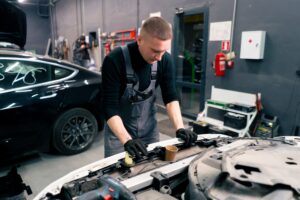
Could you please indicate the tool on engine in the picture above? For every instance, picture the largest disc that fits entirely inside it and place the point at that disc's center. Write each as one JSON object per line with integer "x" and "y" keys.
{"x": 104, "y": 187}
{"x": 128, "y": 161}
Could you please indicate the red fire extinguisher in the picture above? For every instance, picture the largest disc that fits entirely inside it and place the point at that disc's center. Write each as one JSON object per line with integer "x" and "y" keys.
{"x": 220, "y": 64}
{"x": 107, "y": 48}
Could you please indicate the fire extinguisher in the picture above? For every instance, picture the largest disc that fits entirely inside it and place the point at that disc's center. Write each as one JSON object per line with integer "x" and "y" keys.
{"x": 107, "y": 48}
{"x": 220, "y": 64}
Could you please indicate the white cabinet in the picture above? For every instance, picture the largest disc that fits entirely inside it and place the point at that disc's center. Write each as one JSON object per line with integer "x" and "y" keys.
{"x": 253, "y": 44}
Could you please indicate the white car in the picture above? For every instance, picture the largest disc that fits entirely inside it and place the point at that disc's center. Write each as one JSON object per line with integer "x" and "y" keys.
{"x": 216, "y": 167}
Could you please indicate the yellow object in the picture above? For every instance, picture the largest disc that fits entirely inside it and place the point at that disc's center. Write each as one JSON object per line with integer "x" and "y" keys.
{"x": 128, "y": 160}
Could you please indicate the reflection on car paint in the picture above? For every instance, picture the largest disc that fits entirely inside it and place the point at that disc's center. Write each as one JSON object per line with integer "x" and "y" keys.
{"x": 72, "y": 75}
{"x": 22, "y": 72}
{"x": 2, "y": 77}
{"x": 12, "y": 105}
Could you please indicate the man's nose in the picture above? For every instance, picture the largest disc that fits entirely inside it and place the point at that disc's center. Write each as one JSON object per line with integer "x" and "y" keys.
{"x": 158, "y": 56}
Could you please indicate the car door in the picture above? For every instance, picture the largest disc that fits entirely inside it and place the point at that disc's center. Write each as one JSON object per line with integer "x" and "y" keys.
{"x": 29, "y": 94}
{"x": 51, "y": 96}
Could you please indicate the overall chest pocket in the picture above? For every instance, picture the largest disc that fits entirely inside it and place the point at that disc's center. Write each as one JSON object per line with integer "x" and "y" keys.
{"x": 136, "y": 107}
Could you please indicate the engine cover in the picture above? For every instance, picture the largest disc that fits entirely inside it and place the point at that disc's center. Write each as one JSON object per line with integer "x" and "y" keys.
{"x": 247, "y": 169}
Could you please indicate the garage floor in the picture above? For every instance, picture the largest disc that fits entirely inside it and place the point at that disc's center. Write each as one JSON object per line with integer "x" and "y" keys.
{"x": 39, "y": 170}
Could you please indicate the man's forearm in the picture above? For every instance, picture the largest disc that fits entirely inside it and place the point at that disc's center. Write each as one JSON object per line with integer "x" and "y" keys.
{"x": 115, "y": 123}
{"x": 174, "y": 113}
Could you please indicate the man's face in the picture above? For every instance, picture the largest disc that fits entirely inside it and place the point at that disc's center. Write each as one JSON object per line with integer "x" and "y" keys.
{"x": 151, "y": 48}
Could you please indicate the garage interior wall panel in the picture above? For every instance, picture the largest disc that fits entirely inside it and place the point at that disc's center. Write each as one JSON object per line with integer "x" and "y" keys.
{"x": 166, "y": 7}
{"x": 93, "y": 17}
{"x": 66, "y": 21}
{"x": 38, "y": 29}
{"x": 120, "y": 14}
{"x": 274, "y": 76}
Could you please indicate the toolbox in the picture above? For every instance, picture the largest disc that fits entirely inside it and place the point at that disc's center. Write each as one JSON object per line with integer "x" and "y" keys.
{"x": 268, "y": 126}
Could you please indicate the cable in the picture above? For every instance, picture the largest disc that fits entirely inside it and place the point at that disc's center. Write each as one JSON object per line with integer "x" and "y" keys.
{"x": 290, "y": 100}
{"x": 295, "y": 118}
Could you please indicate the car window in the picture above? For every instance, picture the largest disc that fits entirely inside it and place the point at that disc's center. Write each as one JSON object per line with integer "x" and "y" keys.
{"x": 20, "y": 73}
{"x": 61, "y": 73}
{"x": 16, "y": 73}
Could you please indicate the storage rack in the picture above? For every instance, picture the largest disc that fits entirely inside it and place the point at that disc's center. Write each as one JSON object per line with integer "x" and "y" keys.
{"x": 220, "y": 99}
{"x": 122, "y": 37}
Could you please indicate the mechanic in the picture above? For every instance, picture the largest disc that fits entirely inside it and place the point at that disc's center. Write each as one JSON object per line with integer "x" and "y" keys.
{"x": 81, "y": 53}
{"x": 129, "y": 76}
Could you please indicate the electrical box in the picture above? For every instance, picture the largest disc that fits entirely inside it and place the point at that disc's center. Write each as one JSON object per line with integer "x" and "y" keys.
{"x": 93, "y": 39}
{"x": 253, "y": 44}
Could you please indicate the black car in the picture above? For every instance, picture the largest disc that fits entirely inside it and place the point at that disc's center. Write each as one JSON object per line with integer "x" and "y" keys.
{"x": 47, "y": 103}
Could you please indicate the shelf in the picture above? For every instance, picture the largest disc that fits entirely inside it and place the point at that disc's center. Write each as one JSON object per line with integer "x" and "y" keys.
{"x": 223, "y": 107}
{"x": 237, "y": 103}
{"x": 220, "y": 124}
{"x": 215, "y": 122}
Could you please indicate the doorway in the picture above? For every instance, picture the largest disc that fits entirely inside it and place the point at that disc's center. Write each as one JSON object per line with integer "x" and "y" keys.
{"x": 189, "y": 54}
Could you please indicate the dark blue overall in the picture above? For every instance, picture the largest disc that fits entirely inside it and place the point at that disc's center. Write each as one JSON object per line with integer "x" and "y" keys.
{"x": 137, "y": 110}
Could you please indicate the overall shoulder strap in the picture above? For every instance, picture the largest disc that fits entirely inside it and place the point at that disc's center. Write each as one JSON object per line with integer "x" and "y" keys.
{"x": 153, "y": 79}
{"x": 154, "y": 71}
{"x": 130, "y": 75}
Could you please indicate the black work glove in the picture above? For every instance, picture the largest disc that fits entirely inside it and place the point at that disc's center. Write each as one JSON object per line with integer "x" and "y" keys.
{"x": 136, "y": 148}
{"x": 187, "y": 136}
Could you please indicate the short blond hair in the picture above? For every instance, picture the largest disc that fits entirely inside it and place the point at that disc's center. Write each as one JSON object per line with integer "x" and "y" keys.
{"x": 157, "y": 27}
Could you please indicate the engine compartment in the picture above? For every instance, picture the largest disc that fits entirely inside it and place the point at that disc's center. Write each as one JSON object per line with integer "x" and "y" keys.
{"x": 219, "y": 168}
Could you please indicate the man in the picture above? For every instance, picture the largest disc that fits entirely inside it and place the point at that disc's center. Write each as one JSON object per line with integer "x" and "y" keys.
{"x": 81, "y": 53}
{"x": 129, "y": 77}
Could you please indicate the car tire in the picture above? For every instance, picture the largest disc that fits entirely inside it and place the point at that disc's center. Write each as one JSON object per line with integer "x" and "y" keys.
{"x": 74, "y": 131}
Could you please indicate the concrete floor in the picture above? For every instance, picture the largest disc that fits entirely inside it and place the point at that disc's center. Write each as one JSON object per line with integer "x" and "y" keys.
{"x": 42, "y": 169}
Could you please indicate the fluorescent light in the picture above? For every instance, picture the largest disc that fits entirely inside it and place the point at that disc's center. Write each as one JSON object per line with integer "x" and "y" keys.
{"x": 21, "y": 1}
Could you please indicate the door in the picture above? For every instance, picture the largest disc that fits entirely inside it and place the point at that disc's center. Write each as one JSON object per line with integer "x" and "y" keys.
{"x": 29, "y": 96}
{"x": 189, "y": 53}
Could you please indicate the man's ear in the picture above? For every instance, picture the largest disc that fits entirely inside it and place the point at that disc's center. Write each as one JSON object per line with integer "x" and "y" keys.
{"x": 139, "y": 39}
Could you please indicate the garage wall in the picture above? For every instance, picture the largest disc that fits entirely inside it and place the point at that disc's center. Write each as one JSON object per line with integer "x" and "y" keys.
{"x": 274, "y": 76}
{"x": 66, "y": 20}
{"x": 38, "y": 28}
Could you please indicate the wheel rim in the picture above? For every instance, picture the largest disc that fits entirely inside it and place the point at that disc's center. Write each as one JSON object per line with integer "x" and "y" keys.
{"x": 77, "y": 133}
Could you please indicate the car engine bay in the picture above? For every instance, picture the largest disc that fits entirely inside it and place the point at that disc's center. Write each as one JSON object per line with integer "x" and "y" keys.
{"x": 215, "y": 168}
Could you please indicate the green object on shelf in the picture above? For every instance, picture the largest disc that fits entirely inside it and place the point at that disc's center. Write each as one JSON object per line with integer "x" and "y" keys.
{"x": 217, "y": 103}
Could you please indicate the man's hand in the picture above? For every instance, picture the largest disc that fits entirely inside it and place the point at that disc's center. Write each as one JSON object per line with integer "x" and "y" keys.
{"x": 136, "y": 148}
{"x": 187, "y": 136}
